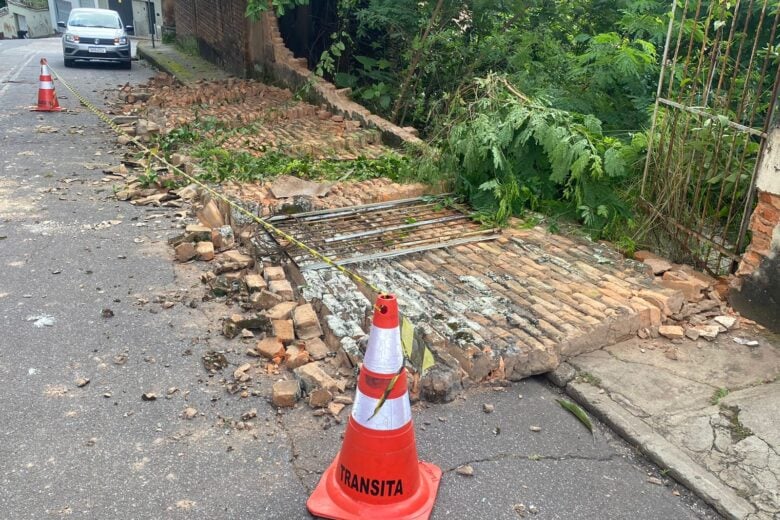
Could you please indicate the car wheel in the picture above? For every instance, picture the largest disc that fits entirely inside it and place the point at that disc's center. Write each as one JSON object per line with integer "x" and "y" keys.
{"x": 127, "y": 65}
{"x": 69, "y": 63}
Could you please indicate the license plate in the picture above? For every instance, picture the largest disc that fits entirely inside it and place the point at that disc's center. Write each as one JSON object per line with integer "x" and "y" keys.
{"x": 97, "y": 50}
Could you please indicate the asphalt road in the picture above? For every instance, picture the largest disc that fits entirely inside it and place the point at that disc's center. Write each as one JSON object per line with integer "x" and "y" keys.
{"x": 68, "y": 251}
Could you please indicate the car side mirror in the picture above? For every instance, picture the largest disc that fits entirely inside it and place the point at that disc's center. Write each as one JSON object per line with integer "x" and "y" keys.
{"x": 129, "y": 29}
{"x": 61, "y": 25}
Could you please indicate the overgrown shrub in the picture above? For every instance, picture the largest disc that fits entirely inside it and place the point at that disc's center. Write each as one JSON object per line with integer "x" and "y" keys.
{"x": 512, "y": 152}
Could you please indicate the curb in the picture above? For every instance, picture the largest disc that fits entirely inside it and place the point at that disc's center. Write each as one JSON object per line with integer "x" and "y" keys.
{"x": 160, "y": 64}
{"x": 156, "y": 63}
{"x": 681, "y": 467}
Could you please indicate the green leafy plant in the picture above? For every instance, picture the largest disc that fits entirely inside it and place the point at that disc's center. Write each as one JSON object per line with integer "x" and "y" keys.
{"x": 512, "y": 151}
{"x": 371, "y": 83}
{"x": 254, "y": 8}
{"x": 718, "y": 394}
{"x": 577, "y": 412}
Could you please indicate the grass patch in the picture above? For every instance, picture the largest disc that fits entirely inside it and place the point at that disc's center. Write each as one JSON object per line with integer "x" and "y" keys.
{"x": 717, "y": 395}
{"x": 203, "y": 140}
{"x": 589, "y": 378}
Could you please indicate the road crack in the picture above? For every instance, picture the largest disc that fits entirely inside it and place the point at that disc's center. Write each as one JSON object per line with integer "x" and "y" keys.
{"x": 295, "y": 454}
{"x": 536, "y": 457}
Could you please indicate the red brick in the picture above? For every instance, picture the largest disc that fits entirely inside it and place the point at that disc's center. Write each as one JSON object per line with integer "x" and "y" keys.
{"x": 769, "y": 198}
{"x": 255, "y": 282}
{"x": 274, "y": 273}
{"x": 769, "y": 213}
{"x": 307, "y": 324}
{"x": 283, "y": 329}
{"x": 285, "y": 393}
{"x": 758, "y": 226}
{"x": 281, "y": 288}
{"x": 590, "y": 302}
{"x": 761, "y": 243}
{"x": 185, "y": 252}
{"x": 270, "y": 347}
{"x": 205, "y": 251}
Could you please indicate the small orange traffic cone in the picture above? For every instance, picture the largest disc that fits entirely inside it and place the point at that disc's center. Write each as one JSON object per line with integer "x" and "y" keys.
{"x": 377, "y": 475}
{"x": 47, "y": 98}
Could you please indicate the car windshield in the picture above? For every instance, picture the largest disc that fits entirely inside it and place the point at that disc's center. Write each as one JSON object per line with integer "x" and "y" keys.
{"x": 106, "y": 20}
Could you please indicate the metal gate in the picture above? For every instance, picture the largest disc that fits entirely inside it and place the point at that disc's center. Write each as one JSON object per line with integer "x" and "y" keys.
{"x": 716, "y": 96}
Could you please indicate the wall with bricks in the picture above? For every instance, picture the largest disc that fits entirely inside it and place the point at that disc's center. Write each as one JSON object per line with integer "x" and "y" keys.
{"x": 758, "y": 290}
{"x": 280, "y": 63}
{"x": 218, "y": 31}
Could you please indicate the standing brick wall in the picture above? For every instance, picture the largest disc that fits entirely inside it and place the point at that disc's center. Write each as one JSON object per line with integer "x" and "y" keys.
{"x": 764, "y": 228}
{"x": 219, "y": 31}
{"x": 216, "y": 29}
{"x": 184, "y": 14}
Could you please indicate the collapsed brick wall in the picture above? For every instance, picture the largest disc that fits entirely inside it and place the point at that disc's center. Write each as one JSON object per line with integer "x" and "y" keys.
{"x": 280, "y": 63}
{"x": 216, "y": 29}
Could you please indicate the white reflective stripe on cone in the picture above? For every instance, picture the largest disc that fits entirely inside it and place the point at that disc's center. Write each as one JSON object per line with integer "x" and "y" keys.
{"x": 47, "y": 85}
{"x": 45, "y": 70}
{"x": 394, "y": 413}
{"x": 384, "y": 353}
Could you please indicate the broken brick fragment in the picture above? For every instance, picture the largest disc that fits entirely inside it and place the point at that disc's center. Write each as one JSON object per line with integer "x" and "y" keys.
{"x": 307, "y": 324}
{"x": 283, "y": 329}
{"x": 285, "y": 393}
{"x": 185, "y": 252}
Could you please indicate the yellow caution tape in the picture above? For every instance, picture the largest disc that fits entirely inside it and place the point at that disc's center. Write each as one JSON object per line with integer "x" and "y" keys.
{"x": 407, "y": 337}
{"x": 428, "y": 356}
{"x": 407, "y": 343}
{"x": 267, "y": 225}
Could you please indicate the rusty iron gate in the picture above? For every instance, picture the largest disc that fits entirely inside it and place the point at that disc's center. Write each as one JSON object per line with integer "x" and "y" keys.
{"x": 369, "y": 232}
{"x": 714, "y": 105}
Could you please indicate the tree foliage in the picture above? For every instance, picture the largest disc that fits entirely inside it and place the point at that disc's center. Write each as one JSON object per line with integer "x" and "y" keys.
{"x": 538, "y": 103}
{"x": 515, "y": 152}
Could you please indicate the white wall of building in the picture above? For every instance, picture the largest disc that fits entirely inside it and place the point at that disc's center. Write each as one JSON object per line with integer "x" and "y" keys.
{"x": 140, "y": 18}
{"x": 37, "y": 22}
{"x": 769, "y": 170}
{"x": 7, "y": 25}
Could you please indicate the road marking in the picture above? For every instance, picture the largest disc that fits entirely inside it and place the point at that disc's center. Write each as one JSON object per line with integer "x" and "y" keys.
{"x": 24, "y": 53}
{"x": 15, "y": 76}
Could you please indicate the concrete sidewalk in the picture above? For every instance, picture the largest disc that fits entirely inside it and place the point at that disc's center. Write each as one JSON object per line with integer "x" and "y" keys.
{"x": 187, "y": 68}
{"x": 709, "y": 414}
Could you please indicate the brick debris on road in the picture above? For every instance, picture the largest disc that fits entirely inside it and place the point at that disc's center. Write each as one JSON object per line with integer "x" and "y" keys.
{"x": 159, "y": 362}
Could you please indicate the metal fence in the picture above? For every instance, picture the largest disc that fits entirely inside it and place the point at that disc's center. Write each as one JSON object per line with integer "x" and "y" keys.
{"x": 716, "y": 96}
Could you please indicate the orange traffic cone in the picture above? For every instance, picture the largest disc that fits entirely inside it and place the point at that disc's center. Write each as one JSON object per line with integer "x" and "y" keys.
{"x": 377, "y": 475}
{"x": 47, "y": 98}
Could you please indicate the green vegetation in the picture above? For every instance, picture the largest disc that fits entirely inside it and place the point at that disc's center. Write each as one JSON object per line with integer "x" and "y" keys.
{"x": 589, "y": 378}
{"x": 578, "y": 412}
{"x": 535, "y": 105}
{"x": 717, "y": 395}
{"x": 543, "y": 104}
{"x": 203, "y": 138}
